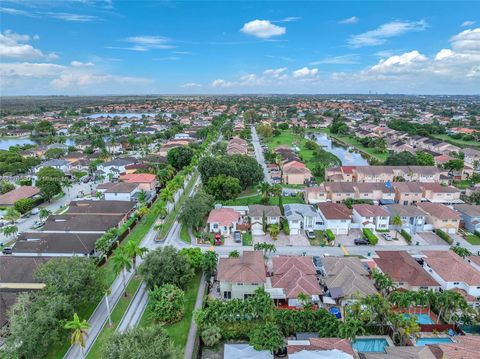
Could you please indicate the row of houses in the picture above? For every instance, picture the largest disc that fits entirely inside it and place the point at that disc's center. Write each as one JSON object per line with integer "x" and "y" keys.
{"x": 382, "y": 174}
{"x": 384, "y": 193}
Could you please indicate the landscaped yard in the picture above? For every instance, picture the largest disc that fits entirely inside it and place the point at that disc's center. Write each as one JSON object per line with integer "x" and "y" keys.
{"x": 184, "y": 235}
{"x": 179, "y": 331}
{"x": 286, "y": 138}
{"x": 318, "y": 241}
{"x": 463, "y": 184}
{"x": 117, "y": 314}
{"x": 473, "y": 239}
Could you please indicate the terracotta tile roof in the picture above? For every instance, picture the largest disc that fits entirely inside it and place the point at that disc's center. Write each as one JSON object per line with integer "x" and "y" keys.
{"x": 249, "y": 268}
{"x": 439, "y": 211}
{"x": 122, "y": 187}
{"x": 224, "y": 216}
{"x": 452, "y": 268}
{"x": 401, "y": 267}
{"x": 367, "y": 210}
{"x": 324, "y": 344}
{"x": 332, "y": 210}
{"x": 466, "y": 347}
{"x": 21, "y": 192}
{"x": 295, "y": 275}
{"x": 138, "y": 178}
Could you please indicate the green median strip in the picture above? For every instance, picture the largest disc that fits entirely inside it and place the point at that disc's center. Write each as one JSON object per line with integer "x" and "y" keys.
{"x": 117, "y": 315}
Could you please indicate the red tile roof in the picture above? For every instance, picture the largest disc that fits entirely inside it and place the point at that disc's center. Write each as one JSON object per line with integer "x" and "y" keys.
{"x": 332, "y": 210}
{"x": 249, "y": 268}
{"x": 224, "y": 216}
{"x": 324, "y": 344}
{"x": 368, "y": 210}
{"x": 22, "y": 192}
{"x": 452, "y": 268}
{"x": 138, "y": 178}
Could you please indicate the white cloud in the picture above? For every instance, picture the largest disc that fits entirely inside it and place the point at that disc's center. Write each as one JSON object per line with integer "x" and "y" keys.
{"x": 13, "y": 45}
{"x": 467, "y": 41}
{"x": 468, "y": 23}
{"x": 11, "y": 11}
{"x": 381, "y": 34}
{"x": 400, "y": 62}
{"x": 147, "y": 42}
{"x": 443, "y": 54}
{"x": 222, "y": 83}
{"x": 275, "y": 72}
{"x": 305, "y": 72}
{"x": 71, "y": 17}
{"x": 340, "y": 60}
{"x": 263, "y": 29}
{"x": 289, "y": 19}
{"x": 350, "y": 20}
{"x": 191, "y": 85}
{"x": 81, "y": 64}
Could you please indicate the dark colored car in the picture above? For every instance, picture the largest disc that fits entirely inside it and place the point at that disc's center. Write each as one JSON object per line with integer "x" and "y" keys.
{"x": 7, "y": 250}
{"x": 361, "y": 242}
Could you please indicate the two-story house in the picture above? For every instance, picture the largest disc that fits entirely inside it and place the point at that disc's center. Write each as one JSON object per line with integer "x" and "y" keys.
{"x": 302, "y": 217}
{"x": 441, "y": 216}
{"x": 335, "y": 216}
{"x": 369, "y": 216}
{"x": 470, "y": 216}
{"x": 263, "y": 216}
{"x": 413, "y": 218}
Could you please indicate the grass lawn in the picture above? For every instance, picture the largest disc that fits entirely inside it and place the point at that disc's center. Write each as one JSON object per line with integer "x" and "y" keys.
{"x": 459, "y": 143}
{"x": 179, "y": 331}
{"x": 258, "y": 200}
{"x": 318, "y": 239}
{"x": 117, "y": 314}
{"x": 286, "y": 138}
{"x": 352, "y": 142}
{"x": 184, "y": 235}
{"x": 463, "y": 184}
{"x": 473, "y": 239}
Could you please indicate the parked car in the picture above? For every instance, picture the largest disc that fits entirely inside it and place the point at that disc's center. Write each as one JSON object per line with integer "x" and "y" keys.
{"x": 218, "y": 239}
{"x": 310, "y": 234}
{"x": 38, "y": 224}
{"x": 317, "y": 262}
{"x": 35, "y": 211}
{"x": 361, "y": 242}
{"x": 387, "y": 236}
{"x": 7, "y": 250}
{"x": 237, "y": 236}
{"x": 86, "y": 179}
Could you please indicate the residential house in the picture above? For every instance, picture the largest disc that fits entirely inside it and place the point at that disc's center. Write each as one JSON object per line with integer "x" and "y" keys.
{"x": 436, "y": 193}
{"x": 369, "y": 216}
{"x": 391, "y": 352}
{"x": 472, "y": 156}
{"x": 383, "y": 174}
{"x": 290, "y": 276}
{"x": 237, "y": 146}
{"x": 55, "y": 244}
{"x": 263, "y": 216}
{"x": 470, "y": 216}
{"x": 240, "y": 277}
{"x": 335, "y": 216}
{"x": 408, "y": 192}
{"x": 115, "y": 167}
{"x": 8, "y": 199}
{"x": 316, "y": 194}
{"x": 441, "y": 216}
{"x": 17, "y": 276}
{"x": 61, "y": 165}
{"x": 295, "y": 172}
{"x": 340, "y": 191}
{"x": 346, "y": 279}
{"x": 120, "y": 191}
{"x": 87, "y": 223}
{"x": 146, "y": 181}
{"x": 404, "y": 271}
{"x": 223, "y": 221}
{"x": 413, "y": 218}
{"x": 102, "y": 208}
{"x": 302, "y": 217}
{"x": 377, "y": 192}
{"x": 244, "y": 351}
{"x": 320, "y": 348}
{"x": 453, "y": 273}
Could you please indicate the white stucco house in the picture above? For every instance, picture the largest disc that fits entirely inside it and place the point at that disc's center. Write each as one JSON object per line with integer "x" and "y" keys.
{"x": 372, "y": 217}
{"x": 302, "y": 217}
{"x": 336, "y": 216}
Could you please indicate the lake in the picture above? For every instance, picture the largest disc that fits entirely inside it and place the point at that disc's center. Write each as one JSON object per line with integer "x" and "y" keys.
{"x": 348, "y": 158}
{"x": 7, "y": 142}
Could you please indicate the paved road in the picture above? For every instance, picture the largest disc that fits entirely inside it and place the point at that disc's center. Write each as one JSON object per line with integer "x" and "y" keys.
{"x": 192, "y": 333}
{"x": 25, "y": 224}
{"x": 259, "y": 154}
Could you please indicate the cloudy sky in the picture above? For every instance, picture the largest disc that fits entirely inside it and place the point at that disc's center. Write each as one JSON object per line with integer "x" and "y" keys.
{"x": 189, "y": 47}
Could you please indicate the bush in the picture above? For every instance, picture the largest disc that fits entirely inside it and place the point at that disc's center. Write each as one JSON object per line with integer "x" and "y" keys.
{"x": 407, "y": 236}
{"x": 24, "y": 205}
{"x": 372, "y": 238}
{"x": 329, "y": 234}
{"x": 444, "y": 236}
{"x": 285, "y": 227}
{"x": 247, "y": 239}
{"x": 167, "y": 303}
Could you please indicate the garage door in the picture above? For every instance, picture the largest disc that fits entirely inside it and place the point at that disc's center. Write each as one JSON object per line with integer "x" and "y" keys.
{"x": 341, "y": 231}
{"x": 451, "y": 231}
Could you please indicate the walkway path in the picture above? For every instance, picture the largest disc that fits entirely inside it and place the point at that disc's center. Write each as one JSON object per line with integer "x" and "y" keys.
{"x": 192, "y": 333}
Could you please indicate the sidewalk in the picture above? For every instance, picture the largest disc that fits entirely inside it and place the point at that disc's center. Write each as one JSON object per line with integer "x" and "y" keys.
{"x": 192, "y": 333}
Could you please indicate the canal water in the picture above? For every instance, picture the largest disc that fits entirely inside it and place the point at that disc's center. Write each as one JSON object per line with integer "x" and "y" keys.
{"x": 348, "y": 157}
{"x": 6, "y": 142}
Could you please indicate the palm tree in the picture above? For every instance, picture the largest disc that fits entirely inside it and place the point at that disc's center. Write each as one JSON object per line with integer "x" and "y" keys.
{"x": 12, "y": 214}
{"x": 121, "y": 263}
{"x": 133, "y": 250}
{"x": 383, "y": 282}
{"x": 79, "y": 328}
{"x": 167, "y": 196}
{"x": 351, "y": 328}
{"x": 43, "y": 213}
{"x": 10, "y": 231}
{"x": 396, "y": 221}
{"x": 264, "y": 189}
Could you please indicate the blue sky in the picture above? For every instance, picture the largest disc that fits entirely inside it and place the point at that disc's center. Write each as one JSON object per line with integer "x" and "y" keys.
{"x": 127, "y": 47}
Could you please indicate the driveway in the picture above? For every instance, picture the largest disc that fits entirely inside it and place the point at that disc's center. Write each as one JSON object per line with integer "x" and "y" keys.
{"x": 428, "y": 238}
{"x": 283, "y": 240}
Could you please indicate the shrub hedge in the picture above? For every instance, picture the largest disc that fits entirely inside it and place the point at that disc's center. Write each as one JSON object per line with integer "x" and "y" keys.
{"x": 372, "y": 238}
{"x": 407, "y": 236}
{"x": 444, "y": 236}
{"x": 329, "y": 234}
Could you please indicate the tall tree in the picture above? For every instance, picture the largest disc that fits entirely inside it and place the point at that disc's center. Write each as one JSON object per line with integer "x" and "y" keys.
{"x": 121, "y": 263}
{"x": 79, "y": 332}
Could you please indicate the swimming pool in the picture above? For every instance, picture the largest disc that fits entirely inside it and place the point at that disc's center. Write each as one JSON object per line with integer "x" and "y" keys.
{"x": 421, "y": 318}
{"x": 424, "y": 341}
{"x": 374, "y": 345}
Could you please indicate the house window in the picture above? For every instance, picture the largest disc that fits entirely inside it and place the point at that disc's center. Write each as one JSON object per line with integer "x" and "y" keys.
{"x": 245, "y": 296}
{"x": 215, "y": 226}
{"x": 227, "y": 295}
{"x": 239, "y": 283}
{"x": 456, "y": 283}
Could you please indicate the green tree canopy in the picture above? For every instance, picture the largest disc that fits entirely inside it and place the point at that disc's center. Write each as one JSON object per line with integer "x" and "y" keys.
{"x": 267, "y": 337}
{"x": 180, "y": 157}
{"x": 195, "y": 210}
{"x": 223, "y": 187}
{"x": 167, "y": 303}
{"x": 50, "y": 182}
